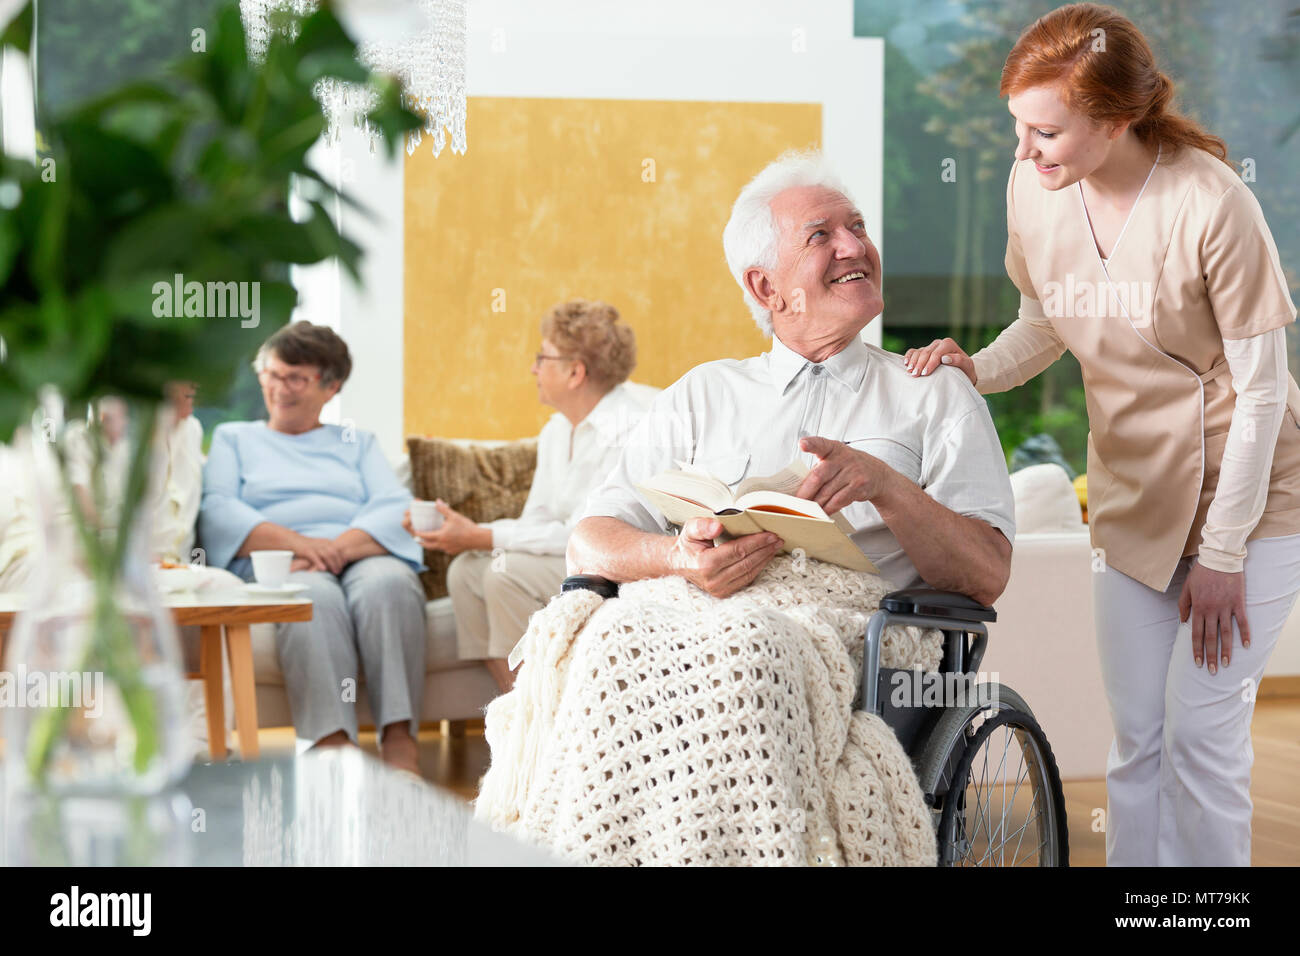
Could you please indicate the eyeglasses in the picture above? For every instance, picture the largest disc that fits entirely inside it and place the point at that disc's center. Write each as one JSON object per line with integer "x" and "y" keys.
{"x": 294, "y": 381}
{"x": 542, "y": 357}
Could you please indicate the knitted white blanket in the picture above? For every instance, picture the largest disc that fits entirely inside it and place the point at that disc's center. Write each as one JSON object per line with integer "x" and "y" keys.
{"x": 666, "y": 726}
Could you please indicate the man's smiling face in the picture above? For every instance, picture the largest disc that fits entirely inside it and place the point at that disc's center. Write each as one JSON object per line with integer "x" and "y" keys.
{"x": 828, "y": 272}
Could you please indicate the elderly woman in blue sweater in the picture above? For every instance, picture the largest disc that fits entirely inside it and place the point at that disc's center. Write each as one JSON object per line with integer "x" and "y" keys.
{"x": 327, "y": 494}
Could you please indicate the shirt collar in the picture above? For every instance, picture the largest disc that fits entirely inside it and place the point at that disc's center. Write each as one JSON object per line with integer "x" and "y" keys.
{"x": 848, "y": 366}
{"x": 605, "y": 409}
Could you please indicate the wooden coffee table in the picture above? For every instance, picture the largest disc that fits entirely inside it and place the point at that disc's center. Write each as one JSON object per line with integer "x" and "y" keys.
{"x": 228, "y": 611}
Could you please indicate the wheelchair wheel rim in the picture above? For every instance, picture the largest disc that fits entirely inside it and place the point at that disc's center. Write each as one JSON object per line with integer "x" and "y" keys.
{"x": 1005, "y": 813}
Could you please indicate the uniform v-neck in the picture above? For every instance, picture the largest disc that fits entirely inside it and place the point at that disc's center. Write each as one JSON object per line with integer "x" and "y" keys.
{"x": 1106, "y": 260}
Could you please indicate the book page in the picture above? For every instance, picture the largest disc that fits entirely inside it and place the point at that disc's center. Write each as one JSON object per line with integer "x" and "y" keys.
{"x": 768, "y": 491}
{"x": 678, "y": 512}
{"x": 775, "y": 500}
{"x": 820, "y": 538}
{"x": 696, "y": 487}
{"x": 804, "y": 506}
{"x": 786, "y": 481}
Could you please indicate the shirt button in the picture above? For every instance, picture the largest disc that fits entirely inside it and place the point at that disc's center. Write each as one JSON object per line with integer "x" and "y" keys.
{"x": 818, "y": 369}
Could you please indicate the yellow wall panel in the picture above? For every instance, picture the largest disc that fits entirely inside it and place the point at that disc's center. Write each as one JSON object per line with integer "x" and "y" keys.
{"x": 550, "y": 203}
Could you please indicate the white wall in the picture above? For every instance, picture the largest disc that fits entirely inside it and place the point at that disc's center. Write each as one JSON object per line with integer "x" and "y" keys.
{"x": 723, "y": 50}
{"x": 17, "y": 113}
{"x": 369, "y": 315}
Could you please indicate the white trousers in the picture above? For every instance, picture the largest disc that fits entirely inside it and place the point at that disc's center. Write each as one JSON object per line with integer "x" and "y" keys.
{"x": 1178, "y": 774}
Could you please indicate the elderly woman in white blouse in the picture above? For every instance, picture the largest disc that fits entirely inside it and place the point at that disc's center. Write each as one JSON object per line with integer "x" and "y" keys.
{"x": 509, "y": 568}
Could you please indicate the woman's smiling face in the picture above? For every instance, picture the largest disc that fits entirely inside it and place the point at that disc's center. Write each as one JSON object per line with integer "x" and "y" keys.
{"x": 1065, "y": 146}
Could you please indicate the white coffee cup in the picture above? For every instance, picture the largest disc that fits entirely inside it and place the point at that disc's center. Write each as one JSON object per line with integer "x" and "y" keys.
{"x": 425, "y": 516}
{"x": 271, "y": 568}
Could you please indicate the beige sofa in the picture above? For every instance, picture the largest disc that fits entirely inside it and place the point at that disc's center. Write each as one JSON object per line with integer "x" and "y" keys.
{"x": 1044, "y": 647}
{"x": 453, "y": 689}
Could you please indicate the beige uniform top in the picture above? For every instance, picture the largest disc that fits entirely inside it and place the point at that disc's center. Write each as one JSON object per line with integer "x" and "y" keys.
{"x": 1194, "y": 265}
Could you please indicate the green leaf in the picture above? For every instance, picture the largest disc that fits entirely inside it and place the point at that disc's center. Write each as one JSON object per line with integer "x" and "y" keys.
{"x": 327, "y": 237}
{"x": 73, "y": 344}
{"x": 325, "y": 49}
{"x": 10, "y": 244}
{"x": 160, "y": 239}
{"x": 279, "y": 239}
{"x": 47, "y": 243}
{"x": 115, "y": 173}
{"x": 133, "y": 93}
{"x": 19, "y": 31}
{"x": 224, "y": 68}
{"x": 285, "y": 148}
{"x": 15, "y": 408}
{"x": 391, "y": 117}
{"x": 145, "y": 300}
{"x": 333, "y": 192}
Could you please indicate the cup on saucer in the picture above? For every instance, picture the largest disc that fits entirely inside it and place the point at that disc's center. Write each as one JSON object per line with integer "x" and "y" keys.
{"x": 271, "y": 568}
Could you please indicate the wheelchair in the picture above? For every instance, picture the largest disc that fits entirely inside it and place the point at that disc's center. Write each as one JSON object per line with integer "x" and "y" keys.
{"x": 986, "y": 770}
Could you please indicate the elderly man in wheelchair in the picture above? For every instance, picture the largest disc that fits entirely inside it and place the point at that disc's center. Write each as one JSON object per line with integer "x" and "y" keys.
{"x": 916, "y": 468}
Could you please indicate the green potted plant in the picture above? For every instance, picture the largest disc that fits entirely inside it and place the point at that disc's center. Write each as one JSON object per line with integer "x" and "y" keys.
{"x": 150, "y": 245}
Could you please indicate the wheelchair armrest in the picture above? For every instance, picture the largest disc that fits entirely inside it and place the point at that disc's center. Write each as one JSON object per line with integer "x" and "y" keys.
{"x": 590, "y": 582}
{"x": 924, "y": 607}
{"x": 930, "y": 602}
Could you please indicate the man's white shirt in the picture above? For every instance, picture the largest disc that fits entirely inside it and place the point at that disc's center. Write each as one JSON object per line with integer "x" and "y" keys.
{"x": 744, "y": 418}
{"x": 562, "y": 481}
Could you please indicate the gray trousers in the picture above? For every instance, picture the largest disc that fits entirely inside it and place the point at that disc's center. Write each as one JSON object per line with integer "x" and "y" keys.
{"x": 495, "y": 596}
{"x": 367, "y": 621}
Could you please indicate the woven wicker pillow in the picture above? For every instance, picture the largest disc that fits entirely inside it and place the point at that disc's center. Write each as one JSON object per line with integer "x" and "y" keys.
{"x": 480, "y": 481}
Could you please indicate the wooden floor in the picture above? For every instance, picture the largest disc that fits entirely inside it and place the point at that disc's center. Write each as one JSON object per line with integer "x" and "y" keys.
{"x": 457, "y": 764}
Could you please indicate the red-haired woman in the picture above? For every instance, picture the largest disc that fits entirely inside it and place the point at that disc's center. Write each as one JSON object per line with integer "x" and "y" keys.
{"x": 1135, "y": 244}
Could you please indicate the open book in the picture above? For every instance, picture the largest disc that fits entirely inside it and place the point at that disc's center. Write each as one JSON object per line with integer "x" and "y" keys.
{"x": 758, "y": 504}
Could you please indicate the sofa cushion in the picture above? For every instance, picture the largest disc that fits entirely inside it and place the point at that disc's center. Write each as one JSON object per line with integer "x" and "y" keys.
{"x": 1045, "y": 500}
{"x": 483, "y": 481}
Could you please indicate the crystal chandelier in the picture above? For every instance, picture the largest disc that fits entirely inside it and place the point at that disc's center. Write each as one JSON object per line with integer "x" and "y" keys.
{"x": 429, "y": 63}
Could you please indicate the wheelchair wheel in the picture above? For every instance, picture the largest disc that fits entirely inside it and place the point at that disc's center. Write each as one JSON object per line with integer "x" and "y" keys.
{"x": 993, "y": 786}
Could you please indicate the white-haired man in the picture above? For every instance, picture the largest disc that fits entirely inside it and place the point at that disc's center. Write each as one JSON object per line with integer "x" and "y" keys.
{"x": 914, "y": 462}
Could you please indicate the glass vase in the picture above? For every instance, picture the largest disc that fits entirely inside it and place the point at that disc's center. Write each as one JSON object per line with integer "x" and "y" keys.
{"x": 95, "y": 701}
